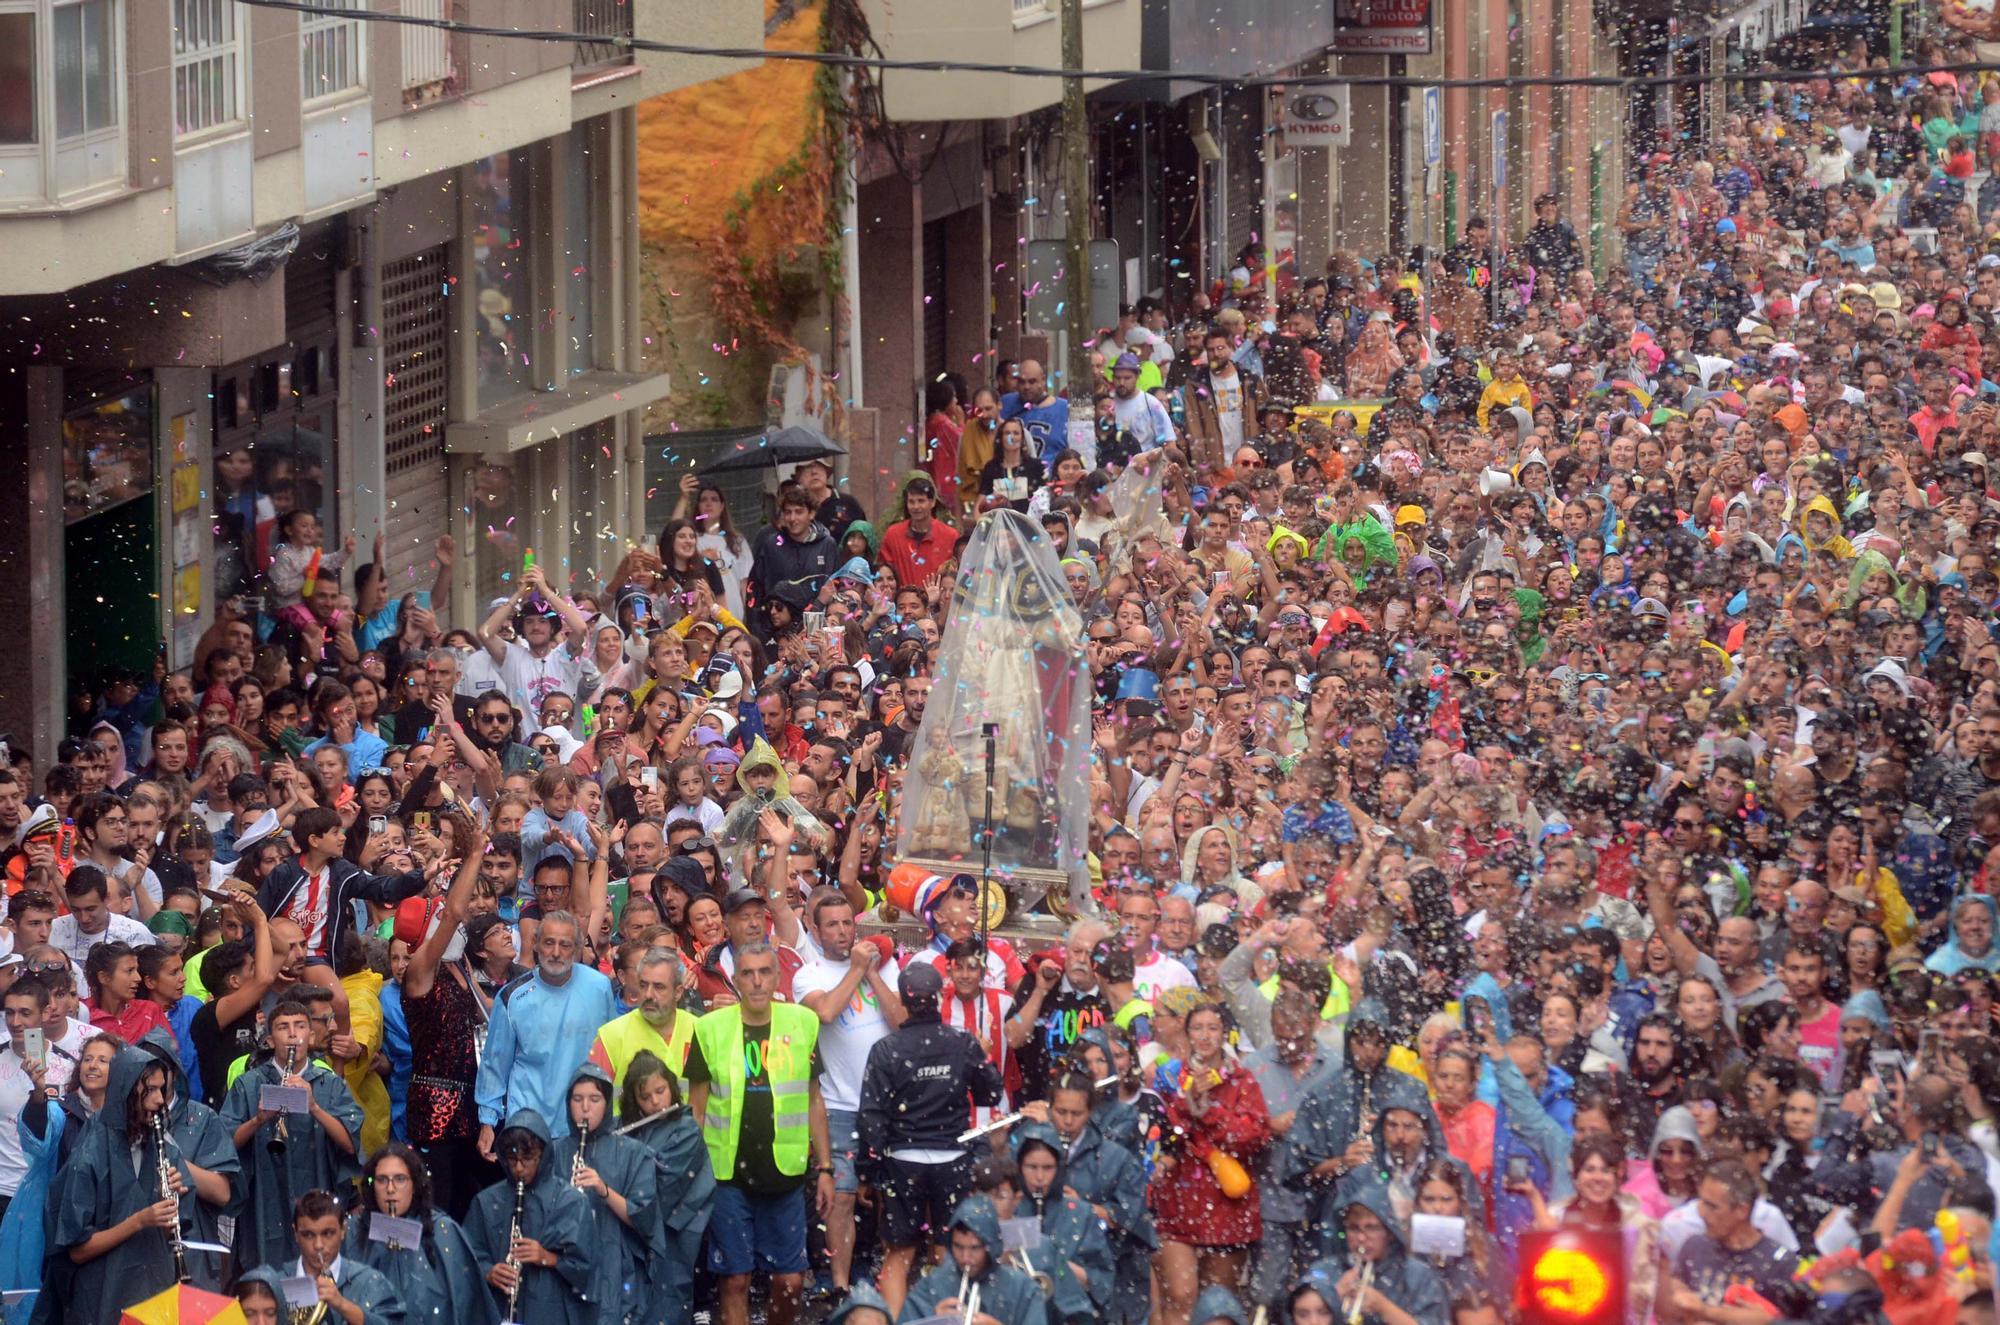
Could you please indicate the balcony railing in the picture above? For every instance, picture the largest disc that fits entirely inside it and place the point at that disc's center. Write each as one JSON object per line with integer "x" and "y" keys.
{"x": 426, "y": 51}
{"x": 601, "y": 18}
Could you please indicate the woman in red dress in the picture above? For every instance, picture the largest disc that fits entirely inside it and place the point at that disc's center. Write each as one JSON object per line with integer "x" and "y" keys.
{"x": 1205, "y": 1234}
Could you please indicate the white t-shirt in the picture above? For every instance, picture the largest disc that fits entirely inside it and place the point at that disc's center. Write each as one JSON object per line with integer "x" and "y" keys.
{"x": 1228, "y": 409}
{"x": 530, "y": 680}
{"x": 76, "y": 945}
{"x": 1684, "y": 1221}
{"x": 708, "y": 814}
{"x": 1142, "y": 415}
{"x": 735, "y": 567}
{"x": 845, "y": 1041}
{"x": 1158, "y": 975}
{"x": 15, "y": 1088}
{"x": 478, "y": 676}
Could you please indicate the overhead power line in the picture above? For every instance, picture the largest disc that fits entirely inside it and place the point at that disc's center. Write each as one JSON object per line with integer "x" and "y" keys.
{"x": 845, "y": 60}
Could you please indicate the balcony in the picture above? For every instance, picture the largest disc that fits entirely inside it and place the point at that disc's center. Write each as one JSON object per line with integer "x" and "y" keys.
{"x": 427, "y": 69}
{"x": 606, "y": 19}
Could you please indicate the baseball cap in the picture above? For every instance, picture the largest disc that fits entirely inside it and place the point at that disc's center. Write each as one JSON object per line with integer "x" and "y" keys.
{"x": 921, "y": 981}
{"x": 741, "y": 897}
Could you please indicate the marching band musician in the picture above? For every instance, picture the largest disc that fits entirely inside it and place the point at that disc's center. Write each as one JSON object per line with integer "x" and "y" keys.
{"x": 648, "y": 1106}
{"x": 616, "y": 1176}
{"x": 437, "y": 1278}
{"x": 109, "y": 1222}
{"x": 1371, "y": 1262}
{"x": 285, "y": 1155}
{"x": 348, "y": 1289}
{"x": 1006, "y": 1296}
{"x": 527, "y": 1231}
{"x": 214, "y": 1170}
{"x": 1074, "y": 1255}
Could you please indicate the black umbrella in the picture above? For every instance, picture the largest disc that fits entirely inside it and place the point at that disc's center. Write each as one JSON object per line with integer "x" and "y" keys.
{"x": 787, "y": 446}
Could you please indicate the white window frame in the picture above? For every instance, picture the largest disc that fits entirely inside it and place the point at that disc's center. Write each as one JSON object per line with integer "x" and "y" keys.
{"x": 94, "y": 157}
{"x": 333, "y": 53}
{"x": 211, "y": 68}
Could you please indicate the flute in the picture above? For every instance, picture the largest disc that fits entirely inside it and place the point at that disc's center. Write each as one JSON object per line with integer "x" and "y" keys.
{"x": 667, "y": 1112}
{"x": 1019, "y": 1114}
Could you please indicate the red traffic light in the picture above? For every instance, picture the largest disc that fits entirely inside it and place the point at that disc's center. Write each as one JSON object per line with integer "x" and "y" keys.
{"x": 1571, "y": 1277}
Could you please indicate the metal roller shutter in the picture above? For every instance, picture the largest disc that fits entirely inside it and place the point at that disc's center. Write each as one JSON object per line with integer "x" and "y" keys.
{"x": 416, "y": 357}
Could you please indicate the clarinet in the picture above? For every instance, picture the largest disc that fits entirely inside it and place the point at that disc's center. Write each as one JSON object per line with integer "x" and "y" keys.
{"x": 165, "y": 1171}
{"x": 514, "y": 1236}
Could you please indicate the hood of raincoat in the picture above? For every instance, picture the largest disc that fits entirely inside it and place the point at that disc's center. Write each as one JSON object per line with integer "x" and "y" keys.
{"x": 867, "y": 531}
{"x": 531, "y": 1122}
{"x": 272, "y": 1278}
{"x": 1825, "y": 507}
{"x": 1528, "y": 630}
{"x": 1676, "y": 1124}
{"x": 1098, "y": 1036}
{"x": 126, "y": 1068}
{"x": 592, "y": 1072}
{"x": 1909, "y": 596}
{"x": 1367, "y": 1012}
{"x": 160, "y": 1044}
{"x": 1284, "y": 535}
{"x": 1218, "y": 1303}
{"x": 862, "y": 1295}
{"x": 975, "y": 1214}
{"x": 1030, "y": 1133}
{"x": 1366, "y": 1187}
{"x": 1376, "y": 544}
{"x": 761, "y": 755}
{"x": 1951, "y": 959}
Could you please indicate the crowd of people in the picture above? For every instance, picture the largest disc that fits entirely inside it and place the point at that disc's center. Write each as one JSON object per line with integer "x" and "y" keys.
{"x": 1545, "y": 775}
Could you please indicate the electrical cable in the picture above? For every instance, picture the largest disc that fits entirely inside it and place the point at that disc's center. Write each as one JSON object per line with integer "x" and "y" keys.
{"x": 843, "y": 60}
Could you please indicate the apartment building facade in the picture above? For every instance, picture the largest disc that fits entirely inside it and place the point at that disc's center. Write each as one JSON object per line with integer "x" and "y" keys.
{"x": 258, "y": 259}
{"x": 1185, "y": 174}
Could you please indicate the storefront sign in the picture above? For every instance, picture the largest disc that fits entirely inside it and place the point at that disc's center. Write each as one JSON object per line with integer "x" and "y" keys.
{"x": 1383, "y": 27}
{"x": 1316, "y": 116}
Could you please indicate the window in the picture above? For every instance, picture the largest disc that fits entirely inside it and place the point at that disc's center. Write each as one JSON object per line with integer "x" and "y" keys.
{"x": 17, "y": 79}
{"x": 107, "y": 454}
{"x": 61, "y": 98}
{"x": 86, "y": 69}
{"x": 208, "y": 65}
{"x": 334, "y": 52}
{"x": 504, "y": 280}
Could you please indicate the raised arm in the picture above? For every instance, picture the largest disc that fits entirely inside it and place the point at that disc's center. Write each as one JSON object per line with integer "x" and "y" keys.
{"x": 422, "y": 971}
{"x": 232, "y": 1006}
